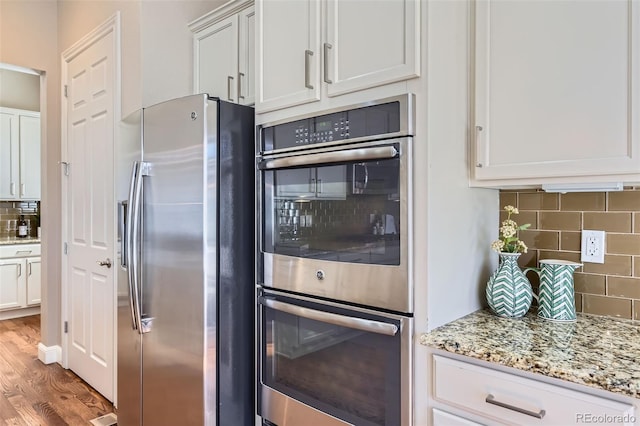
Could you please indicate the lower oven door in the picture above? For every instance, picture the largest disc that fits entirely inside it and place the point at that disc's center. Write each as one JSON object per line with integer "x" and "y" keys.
{"x": 329, "y": 364}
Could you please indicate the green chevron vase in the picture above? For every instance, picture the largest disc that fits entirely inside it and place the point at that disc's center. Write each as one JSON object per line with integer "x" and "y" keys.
{"x": 508, "y": 291}
{"x": 556, "y": 297}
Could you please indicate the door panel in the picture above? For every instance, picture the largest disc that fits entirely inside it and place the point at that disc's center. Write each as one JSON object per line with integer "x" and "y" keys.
{"x": 91, "y": 207}
{"x": 29, "y": 157}
{"x": 34, "y": 280}
{"x": 247, "y": 57}
{"x": 217, "y": 52}
{"x": 288, "y": 53}
{"x": 8, "y": 156}
{"x": 11, "y": 283}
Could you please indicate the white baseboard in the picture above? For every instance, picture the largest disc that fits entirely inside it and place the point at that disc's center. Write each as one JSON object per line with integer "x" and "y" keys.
{"x": 49, "y": 354}
{"x": 18, "y": 313}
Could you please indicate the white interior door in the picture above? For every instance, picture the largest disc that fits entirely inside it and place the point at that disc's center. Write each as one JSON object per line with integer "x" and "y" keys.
{"x": 90, "y": 286}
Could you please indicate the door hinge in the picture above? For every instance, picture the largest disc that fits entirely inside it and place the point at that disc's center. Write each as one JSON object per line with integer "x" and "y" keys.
{"x": 66, "y": 326}
{"x": 66, "y": 91}
{"x": 66, "y": 167}
{"x": 66, "y": 248}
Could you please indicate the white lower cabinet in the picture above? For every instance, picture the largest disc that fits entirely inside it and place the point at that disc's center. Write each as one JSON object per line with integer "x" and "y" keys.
{"x": 20, "y": 276}
{"x": 12, "y": 283}
{"x": 442, "y": 418}
{"x": 34, "y": 279}
{"x": 504, "y": 398}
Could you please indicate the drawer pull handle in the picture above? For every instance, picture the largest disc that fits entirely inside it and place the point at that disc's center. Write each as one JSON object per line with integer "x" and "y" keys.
{"x": 491, "y": 400}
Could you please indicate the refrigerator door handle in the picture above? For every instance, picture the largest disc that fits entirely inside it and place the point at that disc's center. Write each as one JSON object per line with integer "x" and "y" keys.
{"x": 142, "y": 170}
{"x": 128, "y": 252}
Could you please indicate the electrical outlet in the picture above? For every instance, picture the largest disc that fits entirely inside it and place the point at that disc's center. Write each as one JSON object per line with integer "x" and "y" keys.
{"x": 593, "y": 246}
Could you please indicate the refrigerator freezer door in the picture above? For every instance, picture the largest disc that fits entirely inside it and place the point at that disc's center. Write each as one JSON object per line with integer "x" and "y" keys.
{"x": 173, "y": 289}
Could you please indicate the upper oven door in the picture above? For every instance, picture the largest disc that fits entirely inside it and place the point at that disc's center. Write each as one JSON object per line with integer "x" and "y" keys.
{"x": 334, "y": 223}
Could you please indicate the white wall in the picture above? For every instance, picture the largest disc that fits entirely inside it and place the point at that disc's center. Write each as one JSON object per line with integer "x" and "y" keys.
{"x": 167, "y": 47}
{"x": 453, "y": 224}
{"x": 28, "y": 38}
{"x": 19, "y": 90}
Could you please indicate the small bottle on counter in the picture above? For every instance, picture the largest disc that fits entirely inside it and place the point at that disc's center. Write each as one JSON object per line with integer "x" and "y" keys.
{"x": 22, "y": 227}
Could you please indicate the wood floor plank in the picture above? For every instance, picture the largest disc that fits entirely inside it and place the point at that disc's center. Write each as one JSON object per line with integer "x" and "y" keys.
{"x": 32, "y": 393}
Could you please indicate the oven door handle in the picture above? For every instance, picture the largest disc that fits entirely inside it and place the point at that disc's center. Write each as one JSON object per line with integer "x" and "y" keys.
{"x": 331, "y": 318}
{"x": 347, "y": 155}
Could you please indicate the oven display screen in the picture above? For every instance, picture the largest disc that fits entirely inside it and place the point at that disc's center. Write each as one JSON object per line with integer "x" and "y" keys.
{"x": 323, "y": 126}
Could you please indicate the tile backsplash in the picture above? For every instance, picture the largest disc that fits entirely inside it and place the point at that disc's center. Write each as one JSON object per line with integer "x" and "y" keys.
{"x": 11, "y": 211}
{"x": 610, "y": 289}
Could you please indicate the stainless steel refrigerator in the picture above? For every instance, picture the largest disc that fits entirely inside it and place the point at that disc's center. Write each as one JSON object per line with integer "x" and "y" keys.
{"x": 186, "y": 265}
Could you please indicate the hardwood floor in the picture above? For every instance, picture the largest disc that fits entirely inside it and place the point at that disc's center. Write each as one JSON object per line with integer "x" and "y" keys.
{"x": 32, "y": 393}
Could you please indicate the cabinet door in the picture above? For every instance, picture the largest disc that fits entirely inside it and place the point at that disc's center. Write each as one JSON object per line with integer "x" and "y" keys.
{"x": 216, "y": 51}
{"x": 12, "y": 280}
{"x": 442, "y": 418}
{"x": 247, "y": 56}
{"x": 557, "y": 89}
{"x": 288, "y": 53}
{"x": 29, "y": 157}
{"x": 331, "y": 182}
{"x": 295, "y": 183}
{"x": 370, "y": 46}
{"x": 8, "y": 156}
{"x": 34, "y": 278}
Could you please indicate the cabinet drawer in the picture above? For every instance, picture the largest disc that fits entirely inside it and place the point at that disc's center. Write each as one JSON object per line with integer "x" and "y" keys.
{"x": 20, "y": 250}
{"x": 513, "y": 399}
{"x": 442, "y": 418}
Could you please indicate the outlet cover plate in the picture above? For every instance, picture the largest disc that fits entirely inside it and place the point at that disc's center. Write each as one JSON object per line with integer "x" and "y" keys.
{"x": 592, "y": 248}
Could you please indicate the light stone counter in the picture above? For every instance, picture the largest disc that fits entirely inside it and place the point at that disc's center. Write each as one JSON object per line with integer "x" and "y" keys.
{"x": 4, "y": 241}
{"x": 600, "y": 352}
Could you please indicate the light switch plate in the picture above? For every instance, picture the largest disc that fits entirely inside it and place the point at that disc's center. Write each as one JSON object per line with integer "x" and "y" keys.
{"x": 593, "y": 246}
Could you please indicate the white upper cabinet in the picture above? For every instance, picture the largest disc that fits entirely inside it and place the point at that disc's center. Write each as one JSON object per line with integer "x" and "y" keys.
{"x": 288, "y": 53}
{"x": 369, "y": 45}
{"x": 247, "y": 56}
{"x": 29, "y": 157}
{"x": 224, "y": 46}
{"x": 557, "y": 92}
{"x": 310, "y": 49}
{"x": 19, "y": 154}
{"x": 9, "y": 158}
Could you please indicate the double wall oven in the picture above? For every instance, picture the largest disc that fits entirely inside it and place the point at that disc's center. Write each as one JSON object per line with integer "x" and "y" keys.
{"x": 336, "y": 296}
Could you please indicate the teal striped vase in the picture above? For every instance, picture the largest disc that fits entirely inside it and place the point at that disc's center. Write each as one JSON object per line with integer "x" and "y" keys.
{"x": 556, "y": 301}
{"x": 508, "y": 291}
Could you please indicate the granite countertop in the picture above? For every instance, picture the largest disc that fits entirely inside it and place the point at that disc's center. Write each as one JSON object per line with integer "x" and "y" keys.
{"x": 7, "y": 241}
{"x": 599, "y": 352}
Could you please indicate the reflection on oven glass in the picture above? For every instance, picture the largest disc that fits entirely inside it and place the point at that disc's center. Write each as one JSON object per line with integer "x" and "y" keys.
{"x": 331, "y": 230}
{"x": 342, "y": 371}
{"x": 344, "y": 212}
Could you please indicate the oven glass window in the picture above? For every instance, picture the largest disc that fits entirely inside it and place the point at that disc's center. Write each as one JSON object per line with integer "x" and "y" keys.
{"x": 350, "y": 374}
{"x": 345, "y": 212}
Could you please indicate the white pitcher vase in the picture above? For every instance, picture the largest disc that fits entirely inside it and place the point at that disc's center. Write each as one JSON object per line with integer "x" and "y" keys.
{"x": 508, "y": 290}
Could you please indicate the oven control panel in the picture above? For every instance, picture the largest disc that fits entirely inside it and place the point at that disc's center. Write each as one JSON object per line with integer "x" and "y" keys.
{"x": 371, "y": 120}
{"x": 318, "y": 131}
